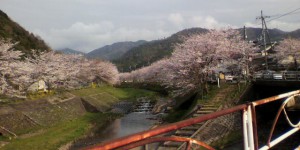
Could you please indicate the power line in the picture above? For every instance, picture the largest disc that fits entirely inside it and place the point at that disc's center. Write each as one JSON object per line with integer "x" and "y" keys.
{"x": 279, "y": 16}
{"x": 289, "y": 13}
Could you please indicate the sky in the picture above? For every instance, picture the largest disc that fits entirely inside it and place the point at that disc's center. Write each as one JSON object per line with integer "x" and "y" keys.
{"x": 86, "y": 25}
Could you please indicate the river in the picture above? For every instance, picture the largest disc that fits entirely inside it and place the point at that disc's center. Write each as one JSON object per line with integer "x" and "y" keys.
{"x": 140, "y": 119}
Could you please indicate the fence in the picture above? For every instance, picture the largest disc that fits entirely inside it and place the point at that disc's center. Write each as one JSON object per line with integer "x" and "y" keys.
{"x": 250, "y": 134}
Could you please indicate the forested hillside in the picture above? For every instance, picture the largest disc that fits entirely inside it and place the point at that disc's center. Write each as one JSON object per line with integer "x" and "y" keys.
{"x": 150, "y": 52}
{"x": 114, "y": 51}
{"x": 10, "y": 30}
{"x": 70, "y": 51}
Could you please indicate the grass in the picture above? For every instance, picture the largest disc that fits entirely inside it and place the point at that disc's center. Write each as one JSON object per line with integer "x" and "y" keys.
{"x": 213, "y": 90}
{"x": 3, "y": 138}
{"x": 232, "y": 137}
{"x": 119, "y": 93}
{"x": 181, "y": 112}
{"x": 61, "y": 133}
{"x": 39, "y": 95}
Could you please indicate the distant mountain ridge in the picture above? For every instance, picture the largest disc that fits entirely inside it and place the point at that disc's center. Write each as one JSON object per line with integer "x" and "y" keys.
{"x": 70, "y": 51}
{"x": 114, "y": 51}
{"x": 152, "y": 51}
{"x": 10, "y": 30}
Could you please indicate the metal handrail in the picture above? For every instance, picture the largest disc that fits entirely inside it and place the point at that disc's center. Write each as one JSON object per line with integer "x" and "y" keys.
{"x": 249, "y": 126}
{"x": 285, "y": 76}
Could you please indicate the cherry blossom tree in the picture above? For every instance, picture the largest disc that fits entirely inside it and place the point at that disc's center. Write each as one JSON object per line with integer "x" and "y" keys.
{"x": 155, "y": 73}
{"x": 8, "y": 63}
{"x": 54, "y": 68}
{"x": 192, "y": 61}
{"x": 69, "y": 71}
{"x": 103, "y": 70}
{"x": 57, "y": 70}
{"x": 289, "y": 47}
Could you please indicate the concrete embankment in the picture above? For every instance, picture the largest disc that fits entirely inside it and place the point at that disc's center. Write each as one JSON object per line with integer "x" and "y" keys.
{"x": 23, "y": 117}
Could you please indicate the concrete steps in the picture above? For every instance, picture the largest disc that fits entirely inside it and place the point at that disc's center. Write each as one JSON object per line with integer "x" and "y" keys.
{"x": 189, "y": 130}
{"x": 185, "y": 133}
{"x": 204, "y": 111}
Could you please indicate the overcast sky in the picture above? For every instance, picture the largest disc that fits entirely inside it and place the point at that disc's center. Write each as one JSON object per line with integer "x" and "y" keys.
{"x": 89, "y": 24}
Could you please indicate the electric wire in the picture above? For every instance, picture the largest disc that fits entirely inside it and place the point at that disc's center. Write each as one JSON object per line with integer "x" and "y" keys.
{"x": 277, "y": 16}
{"x": 289, "y": 13}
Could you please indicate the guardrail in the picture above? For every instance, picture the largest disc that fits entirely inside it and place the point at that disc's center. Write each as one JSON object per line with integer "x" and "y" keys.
{"x": 278, "y": 76}
{"x": 249, "y": 127}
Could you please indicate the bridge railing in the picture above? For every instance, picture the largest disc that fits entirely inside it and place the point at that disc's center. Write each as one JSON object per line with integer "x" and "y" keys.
{"x": 250, "y": 134}
{"x": 272, "y": 75}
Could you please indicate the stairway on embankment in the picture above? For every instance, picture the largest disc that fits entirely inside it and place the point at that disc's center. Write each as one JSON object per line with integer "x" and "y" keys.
{"x": 212, "y": 127}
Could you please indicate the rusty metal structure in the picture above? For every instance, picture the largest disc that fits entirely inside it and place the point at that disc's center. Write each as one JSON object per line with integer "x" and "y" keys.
{"x": 250, "y": 134}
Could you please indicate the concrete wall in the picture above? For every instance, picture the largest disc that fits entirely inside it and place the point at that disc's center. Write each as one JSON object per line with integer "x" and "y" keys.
{"x": 25, "y": 116}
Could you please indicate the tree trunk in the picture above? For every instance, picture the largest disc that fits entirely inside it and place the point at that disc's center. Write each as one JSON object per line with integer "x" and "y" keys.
{"x": 296, "y": 63}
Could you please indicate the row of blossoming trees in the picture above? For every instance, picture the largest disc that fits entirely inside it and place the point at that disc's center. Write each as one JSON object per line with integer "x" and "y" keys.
{"x": 17, "y": 73}
{"x": 193, "y": 60}
{"x": 187, "y": 69}
{"x": 289, "y": 47}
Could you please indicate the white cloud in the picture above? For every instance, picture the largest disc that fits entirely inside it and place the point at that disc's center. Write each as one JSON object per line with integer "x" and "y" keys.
{"x": 176, "y": 18}
{"x": 87, "y": 37}
{"x": 98, "y": 23}
{"x": 208, "y": 22}
{"x": 204, "y": 22}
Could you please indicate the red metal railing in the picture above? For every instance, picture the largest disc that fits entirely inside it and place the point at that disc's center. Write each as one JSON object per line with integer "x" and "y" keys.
{"x": 249, "y": 128}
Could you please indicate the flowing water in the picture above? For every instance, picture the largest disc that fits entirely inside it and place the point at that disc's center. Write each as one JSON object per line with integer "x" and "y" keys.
{"x": 139, "y": 119}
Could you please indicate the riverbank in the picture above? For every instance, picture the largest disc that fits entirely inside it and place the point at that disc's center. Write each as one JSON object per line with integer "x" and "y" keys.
{"x": 41, "y": 122}
{"x": 212, "y": 130}
{"x": 139, "y": 118}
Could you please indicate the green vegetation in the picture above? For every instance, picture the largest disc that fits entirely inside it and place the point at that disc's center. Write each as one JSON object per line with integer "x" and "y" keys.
{"x": 27, "y": 41}
{"x": 150, "y": 52}
{"x": 119, "y": 93}
{"x": 232, "y": 137}
{"x": 213, "y": 90}
{"x": 3, "y": 138}
{"x": 51, "y": 138}
{"x": 181, "y": 112}
{"x": 61, "y": 132}
{"x": 39, "y": 95}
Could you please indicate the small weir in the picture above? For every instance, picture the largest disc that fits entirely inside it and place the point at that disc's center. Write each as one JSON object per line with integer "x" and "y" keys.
{"x": 136, "y": 118}
{"x": 144, "y": 106}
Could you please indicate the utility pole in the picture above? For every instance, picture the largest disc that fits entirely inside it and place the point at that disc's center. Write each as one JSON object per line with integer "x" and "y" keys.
{"x": 245, "y": 33}
{"x": 246, "y": 57}
{"x": 263, "y": 32}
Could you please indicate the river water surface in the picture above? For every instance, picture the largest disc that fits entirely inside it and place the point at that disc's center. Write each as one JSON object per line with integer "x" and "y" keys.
{"x": 140, "y": 119}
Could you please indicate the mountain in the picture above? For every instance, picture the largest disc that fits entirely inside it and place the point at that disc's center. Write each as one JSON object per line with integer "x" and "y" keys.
{"x": 114, "y": 51}
{"x": 294, "y": 34}
{"x": 254, "y": 33}
{"x": 70, "y": 51}
{"x": 149, "y": 52}
{"x": 10, "y": 30}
